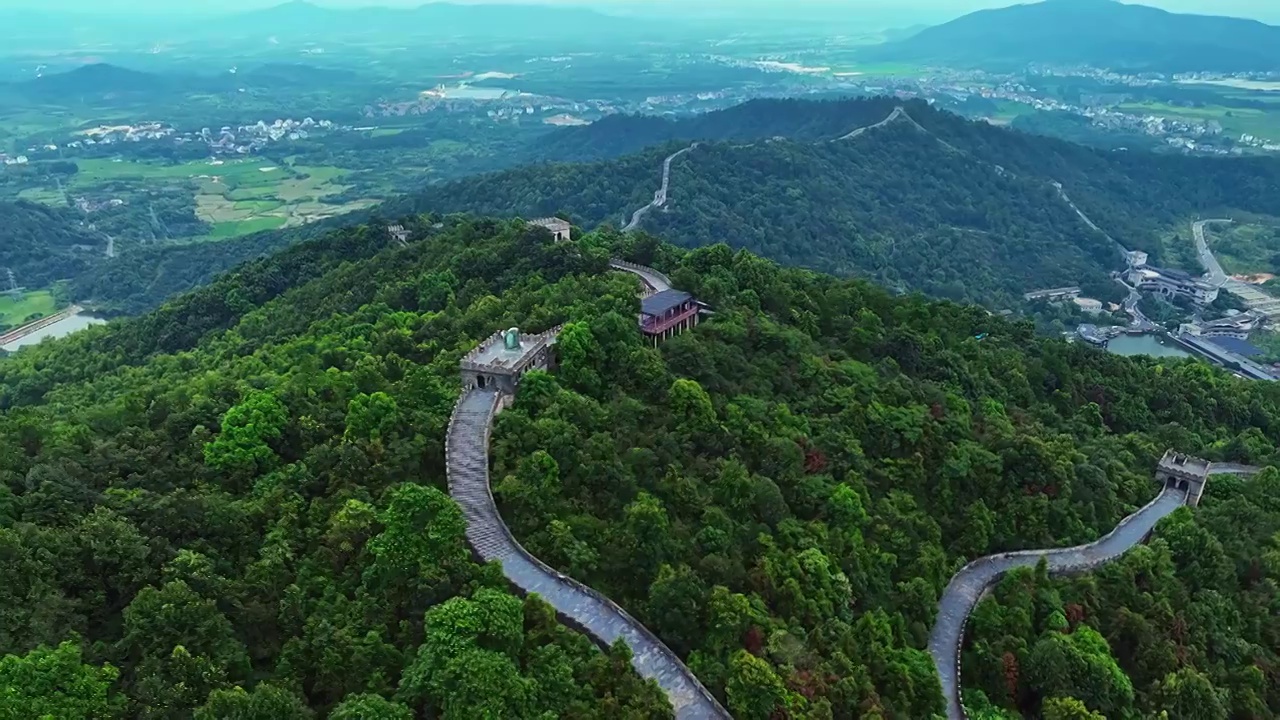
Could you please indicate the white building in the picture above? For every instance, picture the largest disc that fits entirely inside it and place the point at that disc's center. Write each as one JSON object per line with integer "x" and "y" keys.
{"x": 1089, "y": 305}
{"x": 1172, "y": 283}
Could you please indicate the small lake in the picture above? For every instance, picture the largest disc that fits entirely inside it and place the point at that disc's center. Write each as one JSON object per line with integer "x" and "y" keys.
{"x": 1151, "y": 345}
{"x": 62, "y": 328}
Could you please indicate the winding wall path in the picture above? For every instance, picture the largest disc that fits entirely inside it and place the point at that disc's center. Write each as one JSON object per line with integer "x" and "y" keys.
{"x": 968, "y": 586}
{"x": 897, "y": 113}
{"x": 467, "y": 460}
{"x": 660, "y": 196}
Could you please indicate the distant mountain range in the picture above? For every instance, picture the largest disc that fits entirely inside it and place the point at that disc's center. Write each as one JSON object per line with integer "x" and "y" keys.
{"x": 101, "y": 80}
{"x": 1097, "y": 33}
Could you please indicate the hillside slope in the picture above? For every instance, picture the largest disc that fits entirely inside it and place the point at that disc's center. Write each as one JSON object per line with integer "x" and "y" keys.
{"x": 1097, "y": 33}
{"x": 926, "y": 201}
{"x": 43, "y": 244}
{"x": 780, "y": 494}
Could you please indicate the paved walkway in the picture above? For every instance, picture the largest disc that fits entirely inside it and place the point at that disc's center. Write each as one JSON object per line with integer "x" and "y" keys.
{"x": 660, "y": 196}
{"x": 467, "y": 455}
{"x": 654, "y": 279}
{"x": 967, "y": 586}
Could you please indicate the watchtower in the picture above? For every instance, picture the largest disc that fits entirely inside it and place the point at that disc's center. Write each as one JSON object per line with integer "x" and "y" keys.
{"x": 502, "y": 359}
{"x": 560, "y": 228}
{"x": 1184, "y": 472}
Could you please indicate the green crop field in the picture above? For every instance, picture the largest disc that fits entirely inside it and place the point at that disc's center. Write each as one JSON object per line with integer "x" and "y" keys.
{"x": 1235, "y": 120}
{"x": 235, "y": 197}
{"x": 15, "y": 311}
{"x": 235, "y": 228}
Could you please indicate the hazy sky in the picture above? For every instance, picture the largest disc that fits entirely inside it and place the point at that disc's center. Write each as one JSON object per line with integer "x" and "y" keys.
{"x": 1266, "y": 10}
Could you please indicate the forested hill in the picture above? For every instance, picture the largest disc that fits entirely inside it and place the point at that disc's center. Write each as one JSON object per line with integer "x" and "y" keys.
{"x": 929, "y": 201}
{"x": 247, "y": 489}
{"x": 751, "y": 121}
{"x": 1096, "y": 33}
{"x": 43, "y": 244}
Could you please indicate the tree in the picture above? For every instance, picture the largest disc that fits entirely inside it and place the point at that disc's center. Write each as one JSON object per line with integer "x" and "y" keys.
{"x": 266, "y": 702}
{"x": 247, "y": 429}
{"x": 423, "y": 541}
{"x": 184, "y": 647}
{"x": 466, "y": 664}
{"x": 1189, "y": 695}
{"x": 54, "y": 683}
{"x": 677, "y": 607}
{"x": 755, "y": 692}
{"x": 1080, "y": 665}
{"x": 371, "y": 417}
{"x": 1060, "y": 708}
{"x": 370, "y": 707}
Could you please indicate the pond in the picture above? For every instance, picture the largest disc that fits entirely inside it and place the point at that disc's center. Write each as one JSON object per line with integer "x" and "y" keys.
{"x": 1151, "y": 345}
{"x": 62, "y": 328}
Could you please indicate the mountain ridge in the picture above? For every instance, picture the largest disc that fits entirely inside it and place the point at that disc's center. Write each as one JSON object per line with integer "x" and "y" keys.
{"x": 1099, "y": 33}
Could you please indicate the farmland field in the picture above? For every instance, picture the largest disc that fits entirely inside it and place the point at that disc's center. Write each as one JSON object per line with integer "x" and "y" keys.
{"x": 235, "y": 197}
{"x": 1235, "y": 120}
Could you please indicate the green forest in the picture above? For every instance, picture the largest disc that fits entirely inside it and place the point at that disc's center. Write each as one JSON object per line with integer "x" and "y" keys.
{"x": 235, "y": 506}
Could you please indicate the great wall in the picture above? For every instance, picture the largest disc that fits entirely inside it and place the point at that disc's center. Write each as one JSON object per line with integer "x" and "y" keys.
{"x": 467, "y": 460}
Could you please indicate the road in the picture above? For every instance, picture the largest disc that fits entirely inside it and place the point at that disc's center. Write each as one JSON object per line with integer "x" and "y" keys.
{"x": 1215, "y": 276}
{"x": 660, "y": 196}
{"x": 1131, "y": 306}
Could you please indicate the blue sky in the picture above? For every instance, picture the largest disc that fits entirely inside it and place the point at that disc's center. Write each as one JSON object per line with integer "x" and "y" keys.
{"x": 1266, "y": 10}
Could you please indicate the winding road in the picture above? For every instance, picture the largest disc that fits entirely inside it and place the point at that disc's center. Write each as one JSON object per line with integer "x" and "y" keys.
{"x": 1215, "y": 276}
{"x": 968, "y": 586}
{"x": 660, "y": 196}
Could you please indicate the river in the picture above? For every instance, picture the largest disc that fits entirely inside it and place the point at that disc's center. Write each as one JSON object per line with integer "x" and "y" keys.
{"x": 62, "y": 328}
{"x": 1152, "y": 345}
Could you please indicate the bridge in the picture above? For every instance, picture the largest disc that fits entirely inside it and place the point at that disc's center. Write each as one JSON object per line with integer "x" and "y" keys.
{"x": 969, "y": 585}
{"x": 490, "y": 375}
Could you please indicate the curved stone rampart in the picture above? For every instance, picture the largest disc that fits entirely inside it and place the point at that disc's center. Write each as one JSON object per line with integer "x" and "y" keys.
{"x": 973, "y": 580}
{"x": 467, "y": 460}
{"x": 655, "y": 280}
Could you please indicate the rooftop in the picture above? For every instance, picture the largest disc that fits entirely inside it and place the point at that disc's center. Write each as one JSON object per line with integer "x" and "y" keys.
{"x": 552, "y": 223}
{"x": 1237, "y": 346}
{"x": 659, "y": 303}
{"x": 1181, "y": 463}
{"x": 492, "y": 354}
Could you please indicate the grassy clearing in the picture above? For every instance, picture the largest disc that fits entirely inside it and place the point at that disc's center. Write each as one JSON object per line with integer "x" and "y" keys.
{"x": 236, "y": 228}
{"x": 16, "y": 311}
{"x": 44, "y": 196}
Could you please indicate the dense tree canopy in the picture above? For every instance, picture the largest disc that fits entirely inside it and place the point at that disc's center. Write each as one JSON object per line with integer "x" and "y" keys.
{"x": 236, "y": 506}
{"x": 932, "y": 202}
